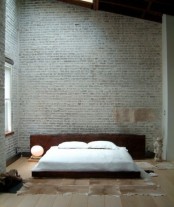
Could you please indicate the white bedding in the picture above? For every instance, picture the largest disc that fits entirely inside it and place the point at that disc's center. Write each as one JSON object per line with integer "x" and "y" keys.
{"x": 57, "y": 159}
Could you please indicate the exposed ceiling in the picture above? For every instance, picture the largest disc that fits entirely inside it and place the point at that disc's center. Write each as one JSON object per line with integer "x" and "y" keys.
{"x": 145, "y": 9}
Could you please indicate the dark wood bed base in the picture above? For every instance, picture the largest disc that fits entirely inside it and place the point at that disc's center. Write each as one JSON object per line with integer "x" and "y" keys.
{"x": 76, "y": 175}
{"x": 134, "y": 143}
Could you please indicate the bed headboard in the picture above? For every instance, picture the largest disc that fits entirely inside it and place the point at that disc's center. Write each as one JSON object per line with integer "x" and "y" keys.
{"x": 134, "y": 143}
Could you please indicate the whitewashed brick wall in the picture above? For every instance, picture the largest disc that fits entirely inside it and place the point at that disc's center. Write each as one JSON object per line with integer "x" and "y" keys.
{"x": 11, "y": 51}
{"x": 80, "y": 70}
{"x": 2, "y": 59}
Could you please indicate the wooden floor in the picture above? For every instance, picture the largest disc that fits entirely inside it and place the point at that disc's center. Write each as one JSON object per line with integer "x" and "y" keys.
{"x": 165, "y": 179}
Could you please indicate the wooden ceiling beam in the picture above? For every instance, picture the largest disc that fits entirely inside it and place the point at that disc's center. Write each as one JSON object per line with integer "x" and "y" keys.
{"x": 79, "y": 3}
{"x": 164, "y": 2}
{"x": 145, "y": 10}
{"x": 96, "y": 4}
{"x": 122, "y": 5}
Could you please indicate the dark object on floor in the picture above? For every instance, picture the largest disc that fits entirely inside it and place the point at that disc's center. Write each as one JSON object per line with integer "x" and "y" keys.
{"x": 15, "y": 188}
{"x": 10, "y": 181}
{"x": 149, "y": 171}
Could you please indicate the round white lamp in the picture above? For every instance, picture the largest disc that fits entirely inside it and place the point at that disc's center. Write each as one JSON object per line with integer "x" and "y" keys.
{"x": 37, "y": 151}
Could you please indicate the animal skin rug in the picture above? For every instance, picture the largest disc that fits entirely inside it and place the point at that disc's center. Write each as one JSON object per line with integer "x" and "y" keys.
{"x": 145, "y": 165}
{"x": 159, "y": 165}
{"x": 165, "y": 166}
{"x": 114, "y": 187}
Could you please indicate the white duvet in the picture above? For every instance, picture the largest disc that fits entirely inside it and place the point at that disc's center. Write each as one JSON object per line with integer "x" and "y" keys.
{"x": 57, "y": 159}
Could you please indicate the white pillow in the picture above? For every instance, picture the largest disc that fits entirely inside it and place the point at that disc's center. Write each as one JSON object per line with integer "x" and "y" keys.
{"x": 102, "y": 145}
{"x": 73, "y": 145}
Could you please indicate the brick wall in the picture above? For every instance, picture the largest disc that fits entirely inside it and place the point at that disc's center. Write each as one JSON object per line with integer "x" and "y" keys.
{"x": 11, "y": 51}
{"x": 84, "y": 71}
{"x": 2, "y": 58}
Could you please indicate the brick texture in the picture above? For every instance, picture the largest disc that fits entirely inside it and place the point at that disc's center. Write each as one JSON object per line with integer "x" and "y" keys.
{"x": 11, "y": 51}
{"x": 2, "y": 58}
{"x": 79, "y": 67}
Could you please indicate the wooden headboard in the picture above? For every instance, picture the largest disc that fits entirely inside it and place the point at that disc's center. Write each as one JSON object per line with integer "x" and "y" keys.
{"x": 134, "y": 143}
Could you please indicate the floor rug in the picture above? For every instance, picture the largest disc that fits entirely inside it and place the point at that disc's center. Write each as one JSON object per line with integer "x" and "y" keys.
{"x": 115, "y": 187}
{"x": 145, "y": 165}
{"x": 159, "y": 165}
{"x": 165, "y": 166}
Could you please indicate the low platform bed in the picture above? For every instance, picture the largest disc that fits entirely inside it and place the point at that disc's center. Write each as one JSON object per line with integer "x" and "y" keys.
{"x": 135, "y": 145}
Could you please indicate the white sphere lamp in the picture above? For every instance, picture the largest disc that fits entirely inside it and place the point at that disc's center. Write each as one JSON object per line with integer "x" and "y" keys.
{"x": 37, "y": 151}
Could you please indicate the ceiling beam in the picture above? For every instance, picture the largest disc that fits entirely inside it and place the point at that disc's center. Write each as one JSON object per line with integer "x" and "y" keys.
{"x": 122, "y": 5}
{"x": 79, "y": 3}
{"x": 135, "y": 8}
{"x": 147, "y": 9}
{"x": 96, "y": 4}
{"x": 165, "y": 2}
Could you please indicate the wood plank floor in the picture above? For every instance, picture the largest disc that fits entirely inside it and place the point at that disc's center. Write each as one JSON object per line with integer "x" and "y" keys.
{"x": 165, "y": 179}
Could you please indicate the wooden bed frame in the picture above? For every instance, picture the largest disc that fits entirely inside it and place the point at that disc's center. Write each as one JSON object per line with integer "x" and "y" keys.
{"x": 134, "y": 143}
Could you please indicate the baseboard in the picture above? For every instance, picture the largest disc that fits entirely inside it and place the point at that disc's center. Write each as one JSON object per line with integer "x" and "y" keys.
{"x": 12, "y": 159}
{"x": 16, "y": 157}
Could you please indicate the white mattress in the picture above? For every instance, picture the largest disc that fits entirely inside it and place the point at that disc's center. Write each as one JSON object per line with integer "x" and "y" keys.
{"x": 57, "y": 159}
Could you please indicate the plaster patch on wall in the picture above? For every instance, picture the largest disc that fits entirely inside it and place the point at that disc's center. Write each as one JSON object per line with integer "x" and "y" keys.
{"x": 144, "y": 114}
{"x": 134, "y": 115}
{"x": 123, "y": 115}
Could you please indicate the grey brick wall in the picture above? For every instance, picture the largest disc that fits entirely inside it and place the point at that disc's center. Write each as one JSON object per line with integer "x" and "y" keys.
{"x": 2, "y": 59}
{"x": 11, "y": 51}
{"x": 81, "y": 70}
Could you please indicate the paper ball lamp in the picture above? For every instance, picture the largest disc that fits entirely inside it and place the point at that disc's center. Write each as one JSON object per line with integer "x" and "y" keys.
{"x": 37, "y": 150}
